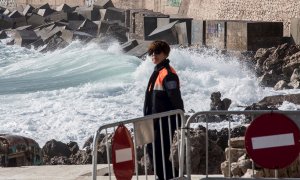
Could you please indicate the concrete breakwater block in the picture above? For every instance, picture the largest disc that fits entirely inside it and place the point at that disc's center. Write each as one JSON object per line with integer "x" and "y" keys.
{"x": 103, "y": 4}
{"x": 4, "y": 24}
{"x": 28, "y": 9}
{"x": 215, "y": 34}
{"x": 15, "y": 14}
{"x": 45, "y": 12}
{"x": 118, "y": 32}
{"x": 35, "y": 20}
{"x": 182, "y": 33}
{"x": 129, "y": 45}
{"x": 167, "y": 33}
{"x": 44, "y": 6}
{"x": 64, "y": 8}
{"x": 60, "y": 15}
{"x": 188, "y": 22}
{"x": 90, "y": 13}
{"x": 113, "y": 13}
{"x": 25, "y": 37}
{"x": 140, "y": 50}
{"x": 295, "y": 30}
{"x": 198, "y": 32}
{"x": 89, "y": 27}
{"x": 27, "y": 27}
{"x": 250, "y": 36}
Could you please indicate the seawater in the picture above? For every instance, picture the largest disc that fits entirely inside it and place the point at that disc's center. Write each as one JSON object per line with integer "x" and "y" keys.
{"x": 67, "y": 94}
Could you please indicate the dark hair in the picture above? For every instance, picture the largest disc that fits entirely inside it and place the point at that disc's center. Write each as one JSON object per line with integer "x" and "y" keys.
{"x": 159, "y": 46}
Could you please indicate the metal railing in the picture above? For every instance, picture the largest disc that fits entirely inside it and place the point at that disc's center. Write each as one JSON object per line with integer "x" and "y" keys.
{"x": 161, "y": 117}
{"x": 252, "y": 113}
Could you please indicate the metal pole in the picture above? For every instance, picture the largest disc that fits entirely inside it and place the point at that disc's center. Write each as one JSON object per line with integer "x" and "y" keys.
{"x": 229, "y": 154}
{"x": 170, "y": 138}
{"x": 206, "y": 148}
{"x": 135, "y": 154}
{"x": 178, "y": 138}
{"x": 188, "y": 150}
{"x": 252, "y": 160}
{"x": 95, "y": 144}
{"x": 146, "y": 173}
{"x": 276, "y": 173}
{"x": 107, "y": 154}
{"x": 162, "y": 147}
{"x": 181, "y": 158}
{"x": 154, "y": 158}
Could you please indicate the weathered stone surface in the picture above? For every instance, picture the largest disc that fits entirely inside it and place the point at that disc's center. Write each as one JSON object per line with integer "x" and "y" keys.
{"x": 225, "y": 169}
{"x": 167, "y": 33}
{"x": 28, "y": 27}
{"x": 25, "y": 37}
{"x": 112, "y": 14}
{"x": 35, "y": 20}
{"x": 198, "y": 33}
{"x": 244, "y": 164}
{"x": 64, "y": 8}
{"x": 140, "y": 50}
{"x": 238, "y": 142}
{"x": 197, "y": 142}
{"x": 55, "y": 148}
{"x": 236, "y": 153}
{"x": 129, "y": 45}
{"x": 55, "y": 42}
{"x": 182, "y": 33}
{"x": 28, "y": 9}
{"x": 89, "y": 27}
{"x": 15, "y": 14}
{"x": 118, "y": 32}
{"x": 256, "y": 174}
{"x": 236, "y": 170}
{"x": 90, "y": 13}
{"x": 278, "y": 99}
{"x": 103, "y": 4}
{"x": 280, "y": 85}
{"x": 45, "y": 12}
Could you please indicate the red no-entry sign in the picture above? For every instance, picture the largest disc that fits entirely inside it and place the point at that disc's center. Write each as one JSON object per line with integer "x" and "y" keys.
{"x": 123, "y": 154}
{"x": 272, "y": 141}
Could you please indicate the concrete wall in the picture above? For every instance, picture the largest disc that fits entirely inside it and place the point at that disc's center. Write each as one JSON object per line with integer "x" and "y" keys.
{"x": 255, "y": 10}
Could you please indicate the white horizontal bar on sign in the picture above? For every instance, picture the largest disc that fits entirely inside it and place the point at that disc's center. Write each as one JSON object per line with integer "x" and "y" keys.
{"x": 273, "y": 141}
{"x": 123, "y": 155}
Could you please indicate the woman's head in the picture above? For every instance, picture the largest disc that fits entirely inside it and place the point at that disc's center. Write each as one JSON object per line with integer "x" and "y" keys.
{"x": 158, "y": 51}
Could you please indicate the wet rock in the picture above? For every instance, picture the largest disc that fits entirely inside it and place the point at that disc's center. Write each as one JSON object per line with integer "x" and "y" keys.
{"x": 73, "y": 147}
{"x": 280, "y": 85}
{"x": 279, "y": 99}
{"x": 54, "y": 148}
{"x": 217, "y": 103}
{"x": 3, "y": 35}
{"x": 25, "y": 37}
{"x": 59, "y": 160}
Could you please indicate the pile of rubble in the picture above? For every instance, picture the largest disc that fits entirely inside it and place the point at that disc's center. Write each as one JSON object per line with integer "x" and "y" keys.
{"x": 241, "y": 164}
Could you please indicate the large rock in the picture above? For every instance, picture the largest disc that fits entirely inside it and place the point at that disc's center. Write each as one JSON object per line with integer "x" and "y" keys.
{"x": 92, "y": 14}
{"x": 280, "y": 85}
{"x": 235, "y": 153}
{"x": 3, "y": 35}
{"x": 197, "y": 154}
{"x": 55, "y": 148}
{"x": 279, "y": 99}
{"x": 89, "y": 27}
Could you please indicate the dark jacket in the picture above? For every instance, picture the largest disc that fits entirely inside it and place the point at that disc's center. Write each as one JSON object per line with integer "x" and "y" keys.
{"x": 163, "y": 90}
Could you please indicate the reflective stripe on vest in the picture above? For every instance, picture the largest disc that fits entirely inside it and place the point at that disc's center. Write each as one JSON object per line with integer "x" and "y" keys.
{"x": 161, "y": 76}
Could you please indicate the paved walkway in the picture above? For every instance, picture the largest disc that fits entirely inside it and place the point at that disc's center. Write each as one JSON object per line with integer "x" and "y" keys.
{"x": 63, "y": 172}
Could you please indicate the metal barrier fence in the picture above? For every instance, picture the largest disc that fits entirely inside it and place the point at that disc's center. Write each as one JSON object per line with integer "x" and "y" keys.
{"x": 159, "y": 116}
{"x": 292, "y": 114}
{"x": 184, "y": 145}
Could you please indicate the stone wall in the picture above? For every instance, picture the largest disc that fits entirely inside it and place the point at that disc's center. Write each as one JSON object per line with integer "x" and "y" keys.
{"x": 255, "y": 10}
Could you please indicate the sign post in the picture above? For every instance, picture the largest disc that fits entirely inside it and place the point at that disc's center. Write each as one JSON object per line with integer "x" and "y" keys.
{"x": 272, "y": 141}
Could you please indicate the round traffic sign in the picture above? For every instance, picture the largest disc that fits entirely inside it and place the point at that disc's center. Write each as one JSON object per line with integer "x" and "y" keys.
{"x": 272, "y": 141}
{"x": 122, "y": 154}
